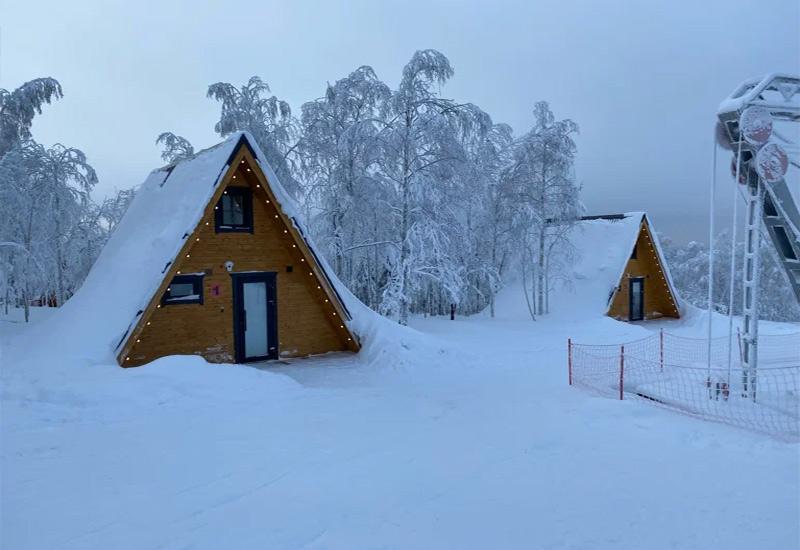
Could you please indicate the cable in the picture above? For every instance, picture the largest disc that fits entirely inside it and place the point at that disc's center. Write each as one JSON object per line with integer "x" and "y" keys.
{"x": 712, "y": 193}
{"x": 733, "y": 258}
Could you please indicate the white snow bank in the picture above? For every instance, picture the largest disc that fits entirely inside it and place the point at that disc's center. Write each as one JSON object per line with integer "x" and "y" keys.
{"x": 603, "y": 248}
{"x": 478, "y": 434}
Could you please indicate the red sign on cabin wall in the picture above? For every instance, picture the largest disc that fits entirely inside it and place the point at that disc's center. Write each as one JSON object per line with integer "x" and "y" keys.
{"x": 215, "y": 290}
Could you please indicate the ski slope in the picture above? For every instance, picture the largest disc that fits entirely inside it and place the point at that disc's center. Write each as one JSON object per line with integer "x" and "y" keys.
{"x": 459, "y": 434}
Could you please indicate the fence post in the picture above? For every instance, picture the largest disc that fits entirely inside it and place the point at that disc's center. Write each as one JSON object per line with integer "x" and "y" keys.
{"x": 569, "y": 358}
{"x": 621, "y": 371}
{"x": 661, "y": 349}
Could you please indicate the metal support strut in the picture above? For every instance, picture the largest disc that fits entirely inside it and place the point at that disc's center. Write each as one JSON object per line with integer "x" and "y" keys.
{"x": 754, "y": 197}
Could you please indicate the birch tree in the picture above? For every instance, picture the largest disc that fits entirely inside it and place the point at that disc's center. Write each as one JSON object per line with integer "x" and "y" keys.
{"x": 489, "y": 211}
{"x": 542, "y": 177}
{"x": 422, "y": 150}
{"x": 20, "y": 106}
{"x": 176, "y": 148}
{"x": 269, "y": 119}
{"x": 340, "y": 152}
{"x": 64, "y": 178}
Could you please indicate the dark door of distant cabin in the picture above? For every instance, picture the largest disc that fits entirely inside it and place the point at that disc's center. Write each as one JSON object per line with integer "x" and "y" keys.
{"x": 255, "y": 327}
{"x": 636, "y": 293}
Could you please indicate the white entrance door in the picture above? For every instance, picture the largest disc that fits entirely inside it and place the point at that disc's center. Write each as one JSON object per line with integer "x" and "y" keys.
{"x": 254, "y": 298}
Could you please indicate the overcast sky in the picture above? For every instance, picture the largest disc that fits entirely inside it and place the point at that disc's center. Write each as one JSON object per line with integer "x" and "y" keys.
{"x": 642, "y": 79}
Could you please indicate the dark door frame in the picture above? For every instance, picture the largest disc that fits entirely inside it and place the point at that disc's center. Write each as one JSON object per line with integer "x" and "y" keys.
{"x": 639, "y": 316}
{"x": 239, "y": 318}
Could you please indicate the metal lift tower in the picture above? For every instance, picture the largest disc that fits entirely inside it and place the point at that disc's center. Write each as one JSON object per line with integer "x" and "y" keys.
{"x": 760, "y": 123}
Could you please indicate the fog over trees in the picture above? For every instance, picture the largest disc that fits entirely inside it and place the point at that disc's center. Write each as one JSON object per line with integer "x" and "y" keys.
{"x": 689, "y": 268}
{"x": 418, "y": 201}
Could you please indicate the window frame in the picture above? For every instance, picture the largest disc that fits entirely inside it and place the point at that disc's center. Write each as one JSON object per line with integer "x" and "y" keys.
{"x": 195, "y": 279}
{"x": 247, "y": 211}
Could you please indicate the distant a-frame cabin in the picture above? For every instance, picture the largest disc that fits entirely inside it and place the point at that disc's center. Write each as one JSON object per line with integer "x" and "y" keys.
{"x": 238, "y": 280}
{"x": 623, "y": 252}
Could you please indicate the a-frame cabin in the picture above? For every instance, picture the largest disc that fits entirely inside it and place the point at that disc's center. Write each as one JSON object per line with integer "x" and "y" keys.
{"x": 621, "y": 262}
{"x": 238, "y": 281}
{"x": 645, "y": 290}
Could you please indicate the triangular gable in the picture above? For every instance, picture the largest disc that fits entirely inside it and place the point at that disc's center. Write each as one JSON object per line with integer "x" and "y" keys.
{"x": 245, "y": 153}
{"x": 662, "y": 262}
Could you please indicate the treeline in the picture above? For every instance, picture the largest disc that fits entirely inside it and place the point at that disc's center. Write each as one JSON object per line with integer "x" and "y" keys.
{"x": 50, "y": 229}
{"x": 419, "y": 202}
{"x": 689, "y": 268}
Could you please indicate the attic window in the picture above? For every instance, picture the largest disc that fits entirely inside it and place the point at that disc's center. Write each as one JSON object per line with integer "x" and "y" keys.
{"x": 634, "y": 254}
{"x": 234, "y": 211}
{"x": 184, "y": 289}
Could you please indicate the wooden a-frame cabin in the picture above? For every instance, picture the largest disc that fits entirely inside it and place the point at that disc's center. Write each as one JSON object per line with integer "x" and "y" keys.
{"x": 218, "y": 265}
{"x": 622, "y": 257}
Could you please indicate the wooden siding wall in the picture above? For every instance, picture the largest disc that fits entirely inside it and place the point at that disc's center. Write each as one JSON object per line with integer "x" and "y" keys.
{"x": 658, "y": 299}
{"x": 307, "y": 322}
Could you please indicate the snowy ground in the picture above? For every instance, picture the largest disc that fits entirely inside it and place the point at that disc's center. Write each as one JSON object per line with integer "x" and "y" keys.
{"x": 457, "y": 435}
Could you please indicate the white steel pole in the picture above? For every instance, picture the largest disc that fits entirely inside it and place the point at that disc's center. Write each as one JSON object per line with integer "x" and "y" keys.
{"x": 751, "y": 274}
{"x": 712, "y": 193}
{"x": 733, "y": 259}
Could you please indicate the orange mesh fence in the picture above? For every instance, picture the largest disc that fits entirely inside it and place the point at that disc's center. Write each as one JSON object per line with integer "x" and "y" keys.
{"x": 673, "y": 372}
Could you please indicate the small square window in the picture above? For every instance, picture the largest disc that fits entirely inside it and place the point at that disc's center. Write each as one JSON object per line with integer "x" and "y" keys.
{"x": 184, "y": 289}
{"x": 234, "y": 211}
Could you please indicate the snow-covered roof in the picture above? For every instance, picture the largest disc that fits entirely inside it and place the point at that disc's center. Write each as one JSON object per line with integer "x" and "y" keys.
{"x": 603, "y": 247}
{"x": 165, "y": 211}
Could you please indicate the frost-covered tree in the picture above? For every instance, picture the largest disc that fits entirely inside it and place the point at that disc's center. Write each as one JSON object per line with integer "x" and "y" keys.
{"x": 420, "y": 202}
{"x": 422, "y": 156}
{"x": 546, "y": 197}
{"x": 50, "y": 229}
{"x": 340, "y": 152}
{"x": 114, "y": 207}
{"x": 417, "y": 199}
{"x": 20, "y": 106}
{"x": 689, "y": 270}
{"x": 269, "y": 119}
{"x": 488, "y": 208}
{"x": 176, "y": 148}
{"x": 20, "y": 231}
{"x": 64, "y": 180}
